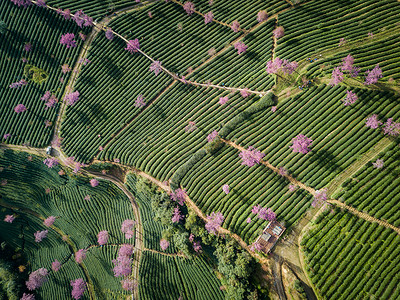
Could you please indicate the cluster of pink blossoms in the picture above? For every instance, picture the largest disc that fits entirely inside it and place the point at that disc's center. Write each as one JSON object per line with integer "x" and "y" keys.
{"x": 122, "y": 265}
{"x": 127, "y": 228}
{"x": 251, "y": 156}
{"x": 214, "y": 220}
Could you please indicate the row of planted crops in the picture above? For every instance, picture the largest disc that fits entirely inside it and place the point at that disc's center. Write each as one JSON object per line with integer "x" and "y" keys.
{"x": 338, "y": 132}
{"x": 377, "y": 50}
{"x": 376, "y": 190}
{"x": 161, "y": 143}
{"x": 319, "y": 25}
{"x": 42, "y": 29}
{"x": 32, "y": 192}
{"x": 152, "y": 229}
{"x": 350, "y": 258}
{"x": 171, "y": 277}
{"x": 249, "y": 187}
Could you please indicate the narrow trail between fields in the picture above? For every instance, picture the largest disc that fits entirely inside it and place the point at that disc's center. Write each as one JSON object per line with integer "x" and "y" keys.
{"x": 71, "y": 245}
{"x": 312, "y": 191}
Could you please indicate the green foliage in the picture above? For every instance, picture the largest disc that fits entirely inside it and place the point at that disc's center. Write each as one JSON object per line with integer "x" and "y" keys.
{"x": 35, "y": 74}
{"x": 36, "y": 192}
{"x": 370, "y": 256}
{"x": 9, "y": 286}
{"x": 42, "y": 28}
{"x": 3, "y": 27}
{"x": 183, "y": 169}
{"x": 258, "y": 106}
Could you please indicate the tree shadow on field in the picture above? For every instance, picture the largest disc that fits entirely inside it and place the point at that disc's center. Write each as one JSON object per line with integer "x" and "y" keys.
{"x": 325, "y": 159}
{"x": 158, "y": 111}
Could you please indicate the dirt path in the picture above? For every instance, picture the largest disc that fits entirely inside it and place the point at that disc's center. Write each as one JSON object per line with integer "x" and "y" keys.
{"x": 350, "y": 171}
{"x": 312, "y": 191}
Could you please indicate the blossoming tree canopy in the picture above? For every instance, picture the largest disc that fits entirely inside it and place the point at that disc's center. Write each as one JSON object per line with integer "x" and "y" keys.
{"x": 78, "y": 288}
{"x": 155, "y": 67}
{"x": 20, "y": 108}
{"x": 80, "y": 255}
{"x": 240, "y": 47}
{"x": 164, "y": 244}
{"x": 301, "y": 144}
{"x": 178, "y": 195}
{"x": 49, "y": 221}
{"x": 68, "y": 40}
{"x": 262, "y": 15}
{"x": 235, "y": 26}
{"x": 351, "y": 98}
{"x": 188, "y": 7}
{"x": 94, "y": 182}
{"x": 373, "y": 122}
{"x": 40, "y": 235}
{"x": 132, "y": 46}
{"x": 251, "y": 156}
{"x": 102, "y": 237}
{"x": 37, "y": 278}
{"x": 208, "y": 17}
{"x": 72, "y": 98}
{"x": 279, "y": 32}
{"x": 214, "y": 220}
{"x": 127, "y": 228}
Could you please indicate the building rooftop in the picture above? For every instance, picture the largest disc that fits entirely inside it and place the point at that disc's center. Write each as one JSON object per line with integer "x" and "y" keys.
{"x": 270, "y": 236}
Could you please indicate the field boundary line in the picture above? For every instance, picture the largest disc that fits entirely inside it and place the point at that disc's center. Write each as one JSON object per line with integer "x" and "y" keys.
{"x": 336, "y": 183}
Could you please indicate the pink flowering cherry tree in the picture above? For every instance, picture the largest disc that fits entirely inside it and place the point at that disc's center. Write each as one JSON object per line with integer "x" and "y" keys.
{"x": 373, "y": 122}
{"x": 176, "y": 217}
{"x": 214, "y": 221}
{"x": 78, "y": 288}
{"x": 102, "y": 237}
{"x": 155, "y": 67}
{"x": 240, "y": 47}
{"x": 373, "y": 75}
{"x": 49, "y": 221}
{"x": 40, "y": 235}
{"x": 235, "y": 26}
{"x": 212, "y": 136}
{"x": 188, "y": 7}
{"x": 71, "y": 98}
{"x": 251, "y": 156}
{"x": 378, "y": 164}
{"x": 208, "y": 17}
{"x": 391, "y": 128}
{"x": 279, "y": 32}
{"x": 9, "y": 218}
{"x": 351, "y": 98}
{"x": 80, "y": 255}
{"x": 320, "y": 198}
{"x": 36, "y": 279}
{"x": 301, "y": 144}
{"x": 68, "y": 40}
{"x": 225, "y": 189}
{"x": 132, "y": 46}
{"x": 164, "y": 244}
{"x": 262, "y": 16}
{"x": 337, "y": 77}
{"x": 55, "y": 265}
{"x": 94, "y": 182}
{"x": 20, "y": 108}
{"x": 178, "y": 196}
{"x": 127, "y": 228}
